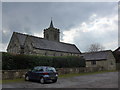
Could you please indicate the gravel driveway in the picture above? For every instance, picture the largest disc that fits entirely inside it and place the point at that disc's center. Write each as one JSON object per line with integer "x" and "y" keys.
{"x": 105, "y": 80}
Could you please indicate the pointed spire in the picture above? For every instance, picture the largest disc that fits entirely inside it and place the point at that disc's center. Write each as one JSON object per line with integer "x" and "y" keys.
{"x": 51, "y": 24}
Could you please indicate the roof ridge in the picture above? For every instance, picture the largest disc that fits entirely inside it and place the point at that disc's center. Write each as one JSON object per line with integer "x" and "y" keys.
{"x": 29, "y": 35}
{"x": 97, "y": 51}
{"x": 67, "y": 43}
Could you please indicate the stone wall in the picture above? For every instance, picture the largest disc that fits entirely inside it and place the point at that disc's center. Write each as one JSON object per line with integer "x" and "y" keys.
{"x": 13, "y": 74}
{"x": 111, "y": 61}
{"x": 99, "y": 63}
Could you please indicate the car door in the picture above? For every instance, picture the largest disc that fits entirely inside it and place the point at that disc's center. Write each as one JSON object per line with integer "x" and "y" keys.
{"x": 33, "y": 74}
{"x": 38, "y": 73}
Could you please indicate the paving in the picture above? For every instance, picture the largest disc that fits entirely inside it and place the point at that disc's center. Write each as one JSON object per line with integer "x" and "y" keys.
{"x": 104, "y": 80}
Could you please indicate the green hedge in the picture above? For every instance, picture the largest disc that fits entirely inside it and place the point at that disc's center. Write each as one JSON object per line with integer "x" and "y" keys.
{"x": 13, "y": 62}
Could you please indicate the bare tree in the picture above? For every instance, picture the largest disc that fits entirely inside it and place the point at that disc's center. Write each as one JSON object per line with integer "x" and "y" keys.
{"x": 95, "y": 47}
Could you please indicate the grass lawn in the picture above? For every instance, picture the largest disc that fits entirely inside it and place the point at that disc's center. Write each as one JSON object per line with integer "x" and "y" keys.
{"x": 60, "y": 76}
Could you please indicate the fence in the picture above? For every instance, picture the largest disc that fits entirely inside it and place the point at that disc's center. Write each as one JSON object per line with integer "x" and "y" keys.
{"x": 13, "y": 74}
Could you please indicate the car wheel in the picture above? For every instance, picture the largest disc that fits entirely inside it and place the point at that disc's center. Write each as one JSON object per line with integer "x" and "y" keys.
{"x": 42, "y": 80}
{"x": 27, "y": 78}
{"x": 54, "y": 80}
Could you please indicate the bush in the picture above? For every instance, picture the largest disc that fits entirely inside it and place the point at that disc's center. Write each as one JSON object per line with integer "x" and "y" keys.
{"x": 13, "y": 62}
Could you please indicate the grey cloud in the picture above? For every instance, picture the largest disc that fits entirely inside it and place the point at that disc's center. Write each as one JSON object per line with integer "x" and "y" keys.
{"x": 32, "y": 17}
{"x": 88, "y": 38}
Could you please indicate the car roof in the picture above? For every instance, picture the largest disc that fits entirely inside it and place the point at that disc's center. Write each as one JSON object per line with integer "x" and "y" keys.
{"x": 43, "y": 66}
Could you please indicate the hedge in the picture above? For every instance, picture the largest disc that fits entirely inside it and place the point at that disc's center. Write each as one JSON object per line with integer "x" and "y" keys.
{"x": 14, "y": 62}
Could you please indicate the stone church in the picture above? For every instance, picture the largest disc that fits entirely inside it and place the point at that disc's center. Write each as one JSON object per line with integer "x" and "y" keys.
{"x": 50, "y": 45}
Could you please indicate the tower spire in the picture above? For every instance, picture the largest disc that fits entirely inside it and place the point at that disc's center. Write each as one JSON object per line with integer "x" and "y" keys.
{"x": 52, "y": 33}
{"x": 51, "y": 24}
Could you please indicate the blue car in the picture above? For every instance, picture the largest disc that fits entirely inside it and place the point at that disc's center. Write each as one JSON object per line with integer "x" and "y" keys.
{"x": 42, "y": 74}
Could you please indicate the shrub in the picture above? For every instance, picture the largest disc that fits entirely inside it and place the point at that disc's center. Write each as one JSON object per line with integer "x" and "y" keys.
{"x": 10, "y": 61}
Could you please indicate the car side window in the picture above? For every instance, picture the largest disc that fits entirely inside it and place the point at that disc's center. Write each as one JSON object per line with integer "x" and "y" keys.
{"x": 35, "y": 69}
{"x": 40, "y": 69}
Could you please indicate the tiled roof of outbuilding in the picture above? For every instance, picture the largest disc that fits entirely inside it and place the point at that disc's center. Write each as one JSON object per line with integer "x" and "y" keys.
{"x": 100, "y": 55}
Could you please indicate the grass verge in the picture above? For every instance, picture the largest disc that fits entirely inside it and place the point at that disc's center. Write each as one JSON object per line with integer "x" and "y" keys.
{"x": 60, "y": 76}
{"x": 80, "y": 74}
{"x": 12, "y": 80}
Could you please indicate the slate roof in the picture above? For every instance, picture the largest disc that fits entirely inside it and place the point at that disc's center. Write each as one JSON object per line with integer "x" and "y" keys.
{"x": 41, "y": 43}
{"x": 117, "y": 50}
{"x": 100, "y": 55}
{"x": 21, "y": 38}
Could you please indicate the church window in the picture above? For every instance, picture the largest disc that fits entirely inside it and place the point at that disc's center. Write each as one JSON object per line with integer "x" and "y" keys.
{"x": 47, "y": 36}
{"x": 55, "y": 36}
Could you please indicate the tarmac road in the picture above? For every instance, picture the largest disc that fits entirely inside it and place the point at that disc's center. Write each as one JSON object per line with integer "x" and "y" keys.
{"x": 105, "y": 80}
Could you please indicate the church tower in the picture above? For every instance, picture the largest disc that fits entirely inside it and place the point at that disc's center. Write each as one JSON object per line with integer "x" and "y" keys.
{"x": 52, "y": 33}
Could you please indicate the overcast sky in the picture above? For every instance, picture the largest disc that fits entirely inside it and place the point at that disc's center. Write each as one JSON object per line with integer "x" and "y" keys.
{"x": 80, "y": 23}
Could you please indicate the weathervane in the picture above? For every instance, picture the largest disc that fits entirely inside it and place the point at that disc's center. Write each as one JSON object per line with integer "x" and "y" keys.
{"x": 51, "y": 18}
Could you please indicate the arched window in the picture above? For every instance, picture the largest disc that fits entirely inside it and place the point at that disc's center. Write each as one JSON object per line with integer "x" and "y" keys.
{"x": 47, "y": 36}
{"x": 55, "y": 36}
{"x": 45, "y": 53}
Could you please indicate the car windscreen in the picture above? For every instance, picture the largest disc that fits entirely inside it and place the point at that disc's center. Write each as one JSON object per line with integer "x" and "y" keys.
{"x": 38, "y": 69}
{"x": 50, "y": 69}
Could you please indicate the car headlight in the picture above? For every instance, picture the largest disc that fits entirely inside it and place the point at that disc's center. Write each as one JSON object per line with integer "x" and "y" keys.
{"x": 56, "y": 74}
